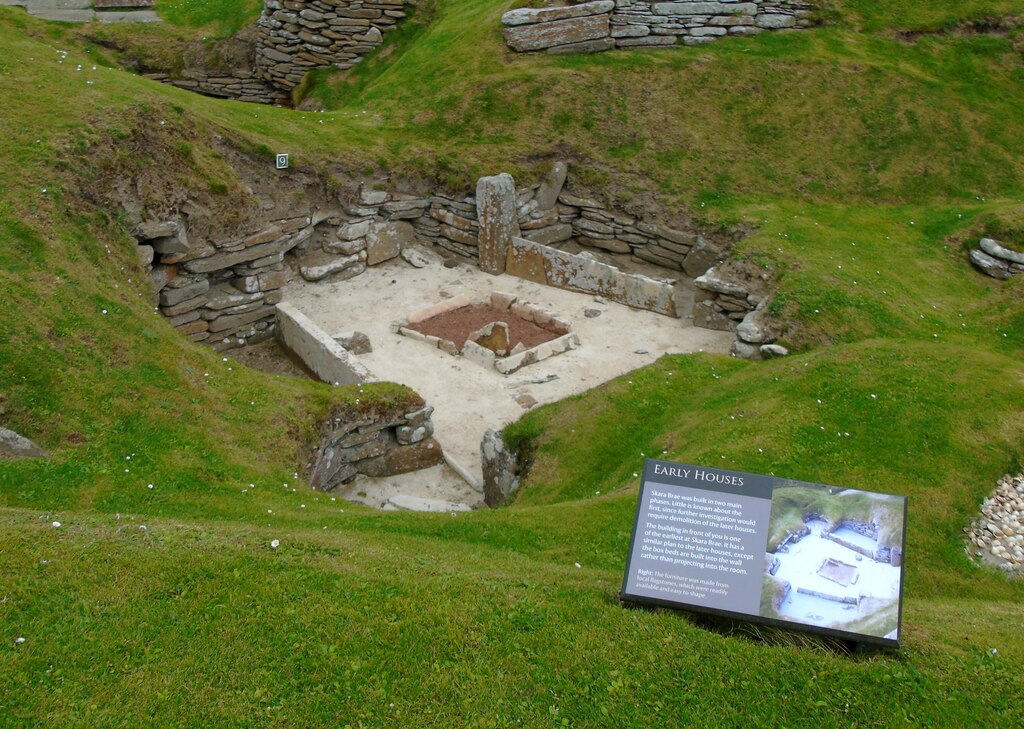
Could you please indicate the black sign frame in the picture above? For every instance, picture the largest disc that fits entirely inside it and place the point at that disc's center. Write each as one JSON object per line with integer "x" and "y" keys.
{"x": 731, "y": 478}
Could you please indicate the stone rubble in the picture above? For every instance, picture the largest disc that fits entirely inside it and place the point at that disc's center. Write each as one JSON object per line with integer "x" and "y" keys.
{"x": 995, "y": 260}
{"x": 998, "y": 534}
{"x": 729, "y": 299}
{"x": 89, "y": 11}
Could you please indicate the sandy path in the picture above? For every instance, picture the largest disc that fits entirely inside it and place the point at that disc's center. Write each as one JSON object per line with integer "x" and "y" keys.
{"x": 467, "y": 398}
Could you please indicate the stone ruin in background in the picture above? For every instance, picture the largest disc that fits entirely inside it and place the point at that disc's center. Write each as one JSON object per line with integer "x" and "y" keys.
{"x": 294, "y": 37}
{"x": 606, "y": 24}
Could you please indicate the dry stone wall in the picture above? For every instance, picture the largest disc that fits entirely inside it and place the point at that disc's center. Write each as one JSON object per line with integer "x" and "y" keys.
{"x": 606, "y": 24}
{"x": 381, "y": 442}
{"x": 240, "y": 84}
{"x": 291, "y": 38}
{"x": 296, "y": 36}
{"x": 734, "y": 297}
{"x": 223, "y": 291}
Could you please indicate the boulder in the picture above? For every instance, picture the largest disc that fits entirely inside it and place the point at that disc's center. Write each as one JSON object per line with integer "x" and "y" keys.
{"x": 709, "y": 281}
{"x": 551, "y": 188}
{"x": 14, "y": 446}
{"x": 354, "y": 342}
{"x": 145, "y": 254}
{"x": 417, "y": 257}
{"x": 152, "y": 229}
{"x": 352, "y": 231}
{"x": 319, "y": 266}
{"x": 775, "y": 21}
{"x": 755, "y": 327}
{"x": 773, "y": 351}
{"x": 743, "y": 350}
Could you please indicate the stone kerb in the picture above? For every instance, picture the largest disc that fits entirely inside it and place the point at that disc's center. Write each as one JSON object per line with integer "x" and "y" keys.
{"x": 603, "y": 25}
{"x": 319, "y": 352}
{"x": 552, "y": 267}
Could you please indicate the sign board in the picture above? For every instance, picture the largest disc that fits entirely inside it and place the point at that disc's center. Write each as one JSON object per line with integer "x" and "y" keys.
{"x": 798, "y": 555}
{"x": 282, "y": 161}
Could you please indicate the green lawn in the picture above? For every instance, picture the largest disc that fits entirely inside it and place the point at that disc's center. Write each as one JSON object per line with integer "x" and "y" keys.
{"x": 861, "y": 163}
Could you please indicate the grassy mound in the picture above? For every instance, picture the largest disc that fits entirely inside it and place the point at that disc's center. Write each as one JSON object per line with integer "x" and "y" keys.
{"x": 865, "y": 155}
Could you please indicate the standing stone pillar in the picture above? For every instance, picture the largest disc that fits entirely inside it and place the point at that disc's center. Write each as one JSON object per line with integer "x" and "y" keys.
{"x": 496, "y": 213}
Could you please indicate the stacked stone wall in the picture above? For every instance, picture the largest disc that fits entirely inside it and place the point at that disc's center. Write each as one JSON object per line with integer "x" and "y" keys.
{"x": 377, "y": 443}
{"x": 296, "y": 36}
{"x": 606, "y": 24}
{"x": 223, "y": 291}
{"x": 239, "y": 84}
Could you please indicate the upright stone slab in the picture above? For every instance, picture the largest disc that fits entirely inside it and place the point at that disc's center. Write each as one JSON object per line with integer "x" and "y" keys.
{"x": 551, "y": 188}
{"x": 496, "y": 212}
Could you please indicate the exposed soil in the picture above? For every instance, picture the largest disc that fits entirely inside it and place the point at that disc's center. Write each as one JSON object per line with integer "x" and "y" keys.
{"x": 270, "y": 358}
{"x": 457, "y": 325}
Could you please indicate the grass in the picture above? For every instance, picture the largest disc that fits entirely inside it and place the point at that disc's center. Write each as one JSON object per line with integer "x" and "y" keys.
{"x": 863, "y": 163}
{"x": 223, "y": 17}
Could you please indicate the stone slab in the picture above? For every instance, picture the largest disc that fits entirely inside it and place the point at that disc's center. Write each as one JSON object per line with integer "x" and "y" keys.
{"x": 993, "y": 248}
{"x": 541, "y": 264}
{"x": 321, "y": 355}
{"x": 704, "y": 8}
{"x": 385, "y": 241}
{"x": 540, "y": 36}
{"x": 456, "y": 302}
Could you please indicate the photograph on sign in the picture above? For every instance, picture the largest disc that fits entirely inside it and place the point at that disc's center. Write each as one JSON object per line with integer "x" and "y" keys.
{"x": 800, "y": 555}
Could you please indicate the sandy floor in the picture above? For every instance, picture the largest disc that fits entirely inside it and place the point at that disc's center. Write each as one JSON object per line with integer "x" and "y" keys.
{"x": 467, "y": 398}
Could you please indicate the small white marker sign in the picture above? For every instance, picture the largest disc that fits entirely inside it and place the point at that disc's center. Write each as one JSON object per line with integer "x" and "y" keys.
{"x": 282, "y": 161}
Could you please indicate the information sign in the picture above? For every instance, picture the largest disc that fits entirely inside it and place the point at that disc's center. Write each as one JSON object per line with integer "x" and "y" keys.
{"x": 799, "y": 555}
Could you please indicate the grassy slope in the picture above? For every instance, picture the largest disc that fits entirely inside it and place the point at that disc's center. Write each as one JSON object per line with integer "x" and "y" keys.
{"x": 483, "y": 619}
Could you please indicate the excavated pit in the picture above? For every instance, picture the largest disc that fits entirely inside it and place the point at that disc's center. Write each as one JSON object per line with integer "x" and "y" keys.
{"x": 468, "y": 399}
